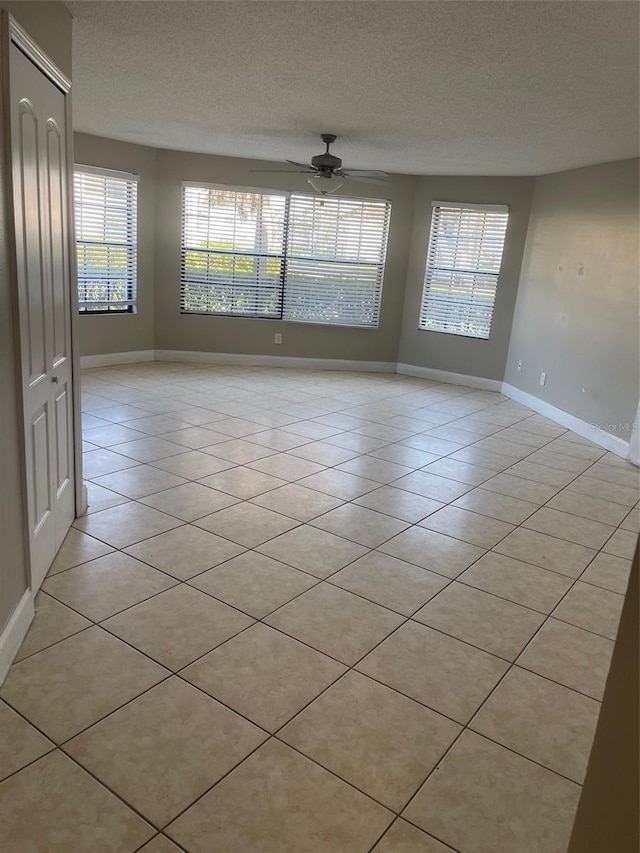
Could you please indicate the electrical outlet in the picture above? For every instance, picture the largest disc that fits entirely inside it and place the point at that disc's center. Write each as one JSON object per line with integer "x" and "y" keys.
{"x": 277, "y": 339}
{"x": 519, "y": 365}
{"x": 543, "y": 378}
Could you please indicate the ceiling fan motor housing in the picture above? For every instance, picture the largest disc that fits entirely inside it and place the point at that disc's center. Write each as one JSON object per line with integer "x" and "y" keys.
{"x": 327, "y": 163}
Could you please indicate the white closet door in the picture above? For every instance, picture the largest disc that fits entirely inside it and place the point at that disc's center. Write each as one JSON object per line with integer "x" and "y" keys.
{"x": 39, "y": 184}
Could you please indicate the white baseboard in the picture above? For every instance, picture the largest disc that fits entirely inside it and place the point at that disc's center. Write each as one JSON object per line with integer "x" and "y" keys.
{"x": 15, "y": 631}
{"x": 452, "y": 378}
{"x": 243, "y": 360}
{"x": 109, "y": 358}
{"x": 603, "y": 439}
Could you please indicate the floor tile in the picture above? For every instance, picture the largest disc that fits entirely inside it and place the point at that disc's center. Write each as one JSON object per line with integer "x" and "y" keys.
{"x": 456, "y": 469}
{"x": 541, "y": 473}
{"x": 185, "y": 551}
{"x": 364, "y": 526}
{"x": 156, "y": 424}
{"x": 383, "y": 743}
{"x": 391, "y": 583}
{"x": 71, "y": 685}
{"x": 480, "y": 787}
{"x": 264, "y": 675}
{"x": 99, "y": 498}
{"x": 195, "y": 437}
{"x": 102, "y": 587}
{"x": 484, "y": 620}
{"x": 160, "y": 844}
{"x": 623, "y": 544}
{"x": 402, "y": 455}
{"x": 604, "y": 490}
{"x": 286, "y": 467}
{"x": 323, "y": 453}
{"x": 193, "y": 464}
{"x": 237, "y": 427}
{"x": 518, "y": 487}
{"x": 77, "y": 548}
{"x": 312, "y": 550}
{"x": 20, "y": 743}
{"x": 328, "y": 814}
{"x": 247, "y": 524}
{"x": 149, "y": 449}
{"x": 582, "y": 531}
{"x": 591, "y": 608}
{"x": 399, "y": 503}
{"x": 53, "y": 622}
{"x": 177, "y": 626}
{"x": 189, "y": 502}
{"x": 588, "y": 507}
{"x": 541, "y": 720}
{"x": 242, "y": 482}
{"x": 340, "y": 484}
{"x": 278, "y": 439}
{"x": 494, "y": 505}
{"x": 146, "y": 754}
{"x": 372, "y": 468}
{"x": 54, "y": 805}
{"x": 96, "y": 463}
{"x": 254, "y": 583}
{"x": 297, "y": 502}
{"x": 239, "y": 451}
{"x": 447, "y": 675}
{"x": 558, "y": 555}
{"x": 124, "y": 525}
{"x": 516, "y": 581}
{"x": 140, "y": 481}
{"x": 467, "y": 526}
{"x": 335, "y": 622}
{"x": 405, "y": 838}
{"x": 608, "y": 572}
{"x": 434, "y": 551}
{"x": 570, "y": 656}
{"x": 432, "y": 486}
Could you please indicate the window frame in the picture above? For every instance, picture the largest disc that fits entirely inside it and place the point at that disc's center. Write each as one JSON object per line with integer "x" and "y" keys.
{"x": 285, "y": 257}
{"x": 129, "y": 306}
{"x": 431, "y": 268}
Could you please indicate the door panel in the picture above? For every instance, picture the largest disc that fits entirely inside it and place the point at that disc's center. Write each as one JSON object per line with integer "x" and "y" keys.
{"x": 56, "y": 172}
{"x": 40, "y": 208}
{"x": 41, "y": 491}
{"x": 62, "y": 466}
{"x": 30, "y": 248}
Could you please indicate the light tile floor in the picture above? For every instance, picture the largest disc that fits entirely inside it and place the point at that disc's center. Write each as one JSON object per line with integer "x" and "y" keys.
{"x": 317, "y": 612}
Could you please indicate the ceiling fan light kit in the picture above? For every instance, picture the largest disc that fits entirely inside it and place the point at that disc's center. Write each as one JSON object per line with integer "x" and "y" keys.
{"x": 326, "y": 172}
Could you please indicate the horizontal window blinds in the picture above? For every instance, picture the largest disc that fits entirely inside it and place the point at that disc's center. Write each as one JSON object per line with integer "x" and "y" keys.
{"x": 106, "y": 238}
{"x": 283, "y": 256}
{"x": 335, "y": 260}
{"x": 232, "y": 252}
{"x": 463, "y": 265}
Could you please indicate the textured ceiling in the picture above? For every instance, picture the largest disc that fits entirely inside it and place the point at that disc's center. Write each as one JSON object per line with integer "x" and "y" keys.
{"x": 436, "y": 87}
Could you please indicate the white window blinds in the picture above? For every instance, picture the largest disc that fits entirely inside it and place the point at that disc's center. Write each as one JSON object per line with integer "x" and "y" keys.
{"x": 463, "y": 265}
{"x": 232, "y": 252}
{"x": 335, "y": 260}
{"x": 106, "y": 239}
{"x": 282, "y": 256}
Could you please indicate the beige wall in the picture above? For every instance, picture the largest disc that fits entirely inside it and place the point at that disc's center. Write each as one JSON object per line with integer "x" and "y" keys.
{"x": 100, "y": 333}
{"x": 456, "y": 353}
{"x": 577, "y": 311}
{"x": 234, "y": 335}
{"x": 50, "y": 25}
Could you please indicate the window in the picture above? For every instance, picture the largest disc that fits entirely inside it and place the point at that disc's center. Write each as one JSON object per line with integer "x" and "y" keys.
{"x": 106, "y": 238}
{"x": 285, "y": 256}
{"x": 463, "y": 265}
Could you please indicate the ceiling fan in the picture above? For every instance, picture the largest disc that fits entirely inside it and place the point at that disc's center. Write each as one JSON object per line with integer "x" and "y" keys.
{"x": 326, "y": 172}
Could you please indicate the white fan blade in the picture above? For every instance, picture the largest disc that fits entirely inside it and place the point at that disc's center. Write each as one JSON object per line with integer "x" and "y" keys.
{"x": 349, "y": 176}
{"x": 366, "y": 173}
{"x": 283, "y": 171}
{"x": 306, "y": 166}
